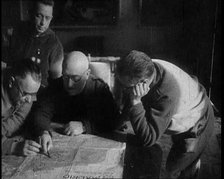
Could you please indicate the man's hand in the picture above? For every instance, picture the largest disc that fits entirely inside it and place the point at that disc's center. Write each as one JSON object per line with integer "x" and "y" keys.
{"x": 138, "y": 91}
{"x": 74, "y": 128}
{"x": 30, "y": 147}
{"x": 46, "y": 141}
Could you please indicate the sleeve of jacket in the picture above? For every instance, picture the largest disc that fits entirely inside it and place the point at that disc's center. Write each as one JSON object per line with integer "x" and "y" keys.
{"x": 43, "y": 112}
{"x": 14, "y": 121}
{"x": 9, "y": 145}
{"x": 55, "y": 59}
{"x": 149, "y": 124}
{"x": 102, "y": 110}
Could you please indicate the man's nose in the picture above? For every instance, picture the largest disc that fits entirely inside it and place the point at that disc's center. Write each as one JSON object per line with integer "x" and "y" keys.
{"x": 43, "y": 21}
{"x": 70, "y": 83}
{"x": 29, "y": 98}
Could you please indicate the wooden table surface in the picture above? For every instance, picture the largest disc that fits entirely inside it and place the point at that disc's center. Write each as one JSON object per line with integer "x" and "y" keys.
{"x": 83, "y": 156}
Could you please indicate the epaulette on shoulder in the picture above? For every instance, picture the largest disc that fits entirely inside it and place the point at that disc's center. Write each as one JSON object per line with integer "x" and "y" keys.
{"x": 95, "y": 78}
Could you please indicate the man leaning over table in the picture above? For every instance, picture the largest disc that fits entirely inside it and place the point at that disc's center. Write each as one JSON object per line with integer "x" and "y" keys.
{"x": 20, "y": 84}
{"x": 81, "y": 103}
{"x": 160, "y": 98}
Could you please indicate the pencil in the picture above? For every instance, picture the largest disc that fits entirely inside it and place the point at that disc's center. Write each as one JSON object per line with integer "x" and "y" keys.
{"x": 47, "y": 154}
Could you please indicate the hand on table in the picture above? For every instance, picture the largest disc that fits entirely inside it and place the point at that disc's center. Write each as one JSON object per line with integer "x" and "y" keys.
{"x": 46, "y": 141}
{"x": 30, "y": 147}
{"x": 74, "y": 128}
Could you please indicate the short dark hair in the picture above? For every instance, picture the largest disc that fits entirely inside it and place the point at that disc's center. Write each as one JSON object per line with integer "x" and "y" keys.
{"x": 46, "y": 2}
{"x": 135, "y": 65}
{"x": 35, "y": 3}
{"x": 26, "y": 66}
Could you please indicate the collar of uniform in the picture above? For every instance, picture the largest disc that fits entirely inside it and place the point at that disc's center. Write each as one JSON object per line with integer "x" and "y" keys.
{"x": 6, "y": 104}
{"x": 89, "y": 87}
{"x": 47, "y": 32}
{"x": 159, "y": 72}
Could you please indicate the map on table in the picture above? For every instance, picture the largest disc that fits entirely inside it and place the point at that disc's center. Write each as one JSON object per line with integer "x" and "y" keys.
{"x": 85, "y": 156}
{"x": 10, "y": 165}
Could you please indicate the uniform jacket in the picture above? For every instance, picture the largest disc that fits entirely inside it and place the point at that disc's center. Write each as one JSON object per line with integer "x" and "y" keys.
{"x": 46, "y": 47}
{"x": 94, "y": 106}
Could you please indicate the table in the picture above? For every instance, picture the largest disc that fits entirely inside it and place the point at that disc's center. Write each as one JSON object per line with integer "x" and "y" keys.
{"x": 83, "y": 156}
{"x": 86, "y": 156}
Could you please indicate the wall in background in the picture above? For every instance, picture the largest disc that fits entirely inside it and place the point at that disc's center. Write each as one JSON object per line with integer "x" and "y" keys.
{"x": 128, "y": 34}
{"x": 186, "y": 41}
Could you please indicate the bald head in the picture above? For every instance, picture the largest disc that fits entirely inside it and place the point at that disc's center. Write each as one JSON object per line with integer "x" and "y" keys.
{"x": 75, "y": 63}
{"x": 75, "y": 71}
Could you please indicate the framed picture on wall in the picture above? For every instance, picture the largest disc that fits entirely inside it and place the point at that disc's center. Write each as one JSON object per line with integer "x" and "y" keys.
{"x": 71, "y": 13}
{"x": 160, "y": 12}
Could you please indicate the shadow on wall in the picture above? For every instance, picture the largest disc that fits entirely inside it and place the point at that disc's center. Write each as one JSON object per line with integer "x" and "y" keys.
{"x": 93, "y": 45}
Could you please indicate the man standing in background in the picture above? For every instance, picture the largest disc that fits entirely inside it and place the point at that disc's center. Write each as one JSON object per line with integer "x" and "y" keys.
{"x": 34, "y": 39}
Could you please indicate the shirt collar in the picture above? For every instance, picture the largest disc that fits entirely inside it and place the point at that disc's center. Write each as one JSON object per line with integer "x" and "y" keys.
{"x": 159, "y": 72}
{"x": 45, "y": 33}
{"x": 6, "y": 104}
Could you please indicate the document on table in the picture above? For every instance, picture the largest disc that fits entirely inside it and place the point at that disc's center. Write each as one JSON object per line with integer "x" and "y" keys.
{"x": 85, "y": 156}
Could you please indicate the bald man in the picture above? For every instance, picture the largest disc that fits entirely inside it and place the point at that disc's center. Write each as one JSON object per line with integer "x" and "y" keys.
{"x": 81, "y": 103}
{"x": 75, "y": 72}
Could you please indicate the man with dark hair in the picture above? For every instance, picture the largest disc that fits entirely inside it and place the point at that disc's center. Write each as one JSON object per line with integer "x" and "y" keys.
{"x": 46, "y": 2}
{"x": 82, "y": 103}
{"x": 19, "y": 88}
{"x": 159, "y": 98}
{"x": 34, "y": 39}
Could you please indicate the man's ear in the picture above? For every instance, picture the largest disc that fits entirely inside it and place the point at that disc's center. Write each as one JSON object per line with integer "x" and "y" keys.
{"x": 11, "y": 81}
{"x": 88, "y": 72}
{"x": 147, "y": 81}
